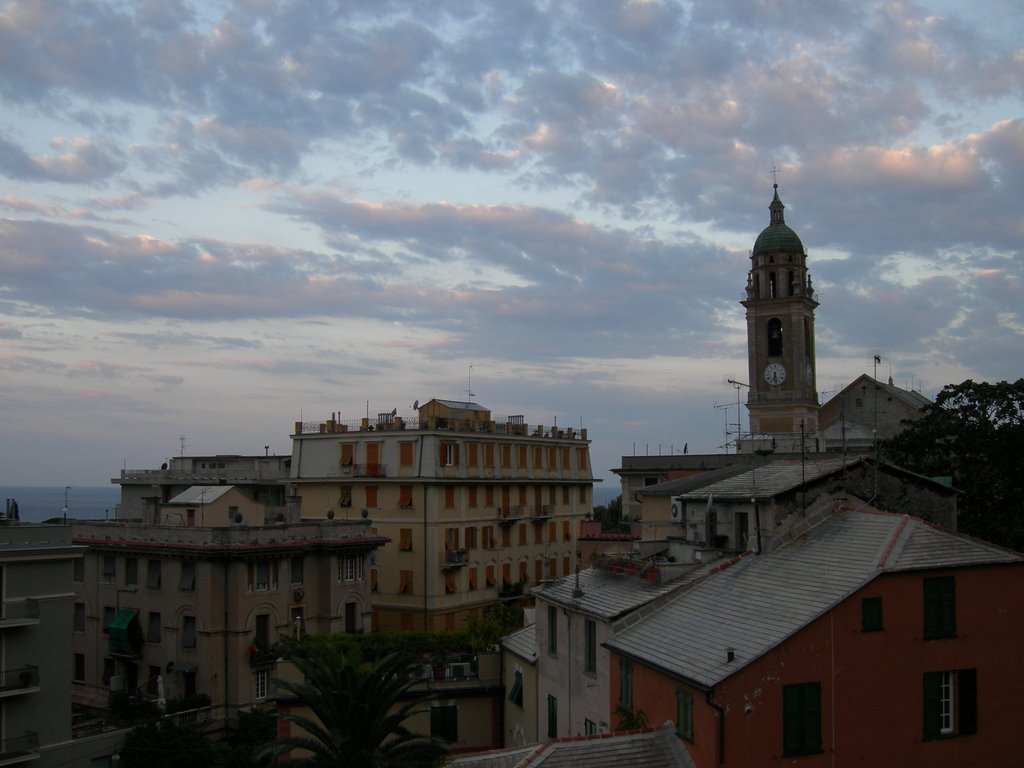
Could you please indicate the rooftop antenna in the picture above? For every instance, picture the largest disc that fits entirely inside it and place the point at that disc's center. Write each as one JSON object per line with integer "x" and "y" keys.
{"x": 469, "y": 387}
{"x": 181, "y": 439}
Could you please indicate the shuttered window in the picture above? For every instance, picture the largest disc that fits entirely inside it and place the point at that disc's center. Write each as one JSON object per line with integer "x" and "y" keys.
{"x": 939, "y": 607}
{"x": 801, "y": 719}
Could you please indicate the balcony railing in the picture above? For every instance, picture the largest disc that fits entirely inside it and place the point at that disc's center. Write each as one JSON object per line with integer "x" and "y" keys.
{"x": 499, "y": 425}
{"x": 13, "y": 681}
{"x": 16, "y": 749}
{"x": 17, "y": 612}
{"x": 454, "y": 558}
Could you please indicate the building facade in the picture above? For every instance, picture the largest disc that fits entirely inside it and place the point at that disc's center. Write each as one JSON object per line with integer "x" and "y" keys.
{"x": 867, "y": 639}
{"x": 192, "y": 612}
{"x": 476, "y": 508}
{"x": 35, "y": 645}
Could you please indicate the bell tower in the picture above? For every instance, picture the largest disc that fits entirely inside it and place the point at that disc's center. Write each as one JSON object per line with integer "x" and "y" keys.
{"x": 782, "y": 400}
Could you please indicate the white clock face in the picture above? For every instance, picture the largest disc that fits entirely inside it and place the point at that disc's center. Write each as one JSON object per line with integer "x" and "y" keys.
{"x": 775, "y": 373}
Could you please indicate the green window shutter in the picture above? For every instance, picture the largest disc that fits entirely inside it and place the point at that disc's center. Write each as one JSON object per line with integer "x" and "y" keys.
{"x": 947, "y": 599}
{"x": 684, "y": 714}
{"x": 939, "y": 607}
{"x": 552, "y": 717}
{"x": 516, "y": 695}
{"x": 812, "y": 717}
{"x": 626, "y": 684}
{"x": 932, "y": 704}
{"x": 791, "y": 721}
{"x": 967, "y": 681}
{"x": 871, "y": 614}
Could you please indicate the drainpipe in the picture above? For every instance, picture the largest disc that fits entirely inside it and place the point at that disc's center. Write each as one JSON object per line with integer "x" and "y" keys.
{"x": 227, "y": 645}
{"x": 419, "y": 475}
{"x": 720, "y": 718}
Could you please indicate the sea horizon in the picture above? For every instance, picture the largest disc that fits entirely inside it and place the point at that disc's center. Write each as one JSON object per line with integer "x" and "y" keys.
{"x": 37, "y": 503}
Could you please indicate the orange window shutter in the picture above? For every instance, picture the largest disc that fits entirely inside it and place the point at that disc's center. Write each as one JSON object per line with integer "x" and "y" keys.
{"x": 405, "y": 622}
{"x": 521, "y": 456}
{"x": 538, "y": 571}
{"x": 522, "y": 533}
{"x": 471, "y": 454}
{"x": 538, "y": 534}
{"x": 405, "y": 454}
{"x": 455, "y": 460}
{"x": 489, "y": 496}
{"x": 471, "y": 500}
{"x": 565, "y": 565}
{"x": 405, "y": 541}
{"x": 449, "y": 584}
{"x": 506, "y": 455}
{"x": 346, "y": 455}
{"x": 565, "y": 458}
{"x": 566, "y": 531}
{"x": 506, "y": 573}
{"x": 506, "y": 497}
{"x": 371, "y": 495}
{"x": 552, "y": 531}
{"x": 491, "y": 581}
{"x": 472, "y": 578}
{"x": 506, "y": 537}
{"x": 373, "y": 579}
{"x": 449, "y": 496}
{"x": 523, "y": 576}
{"x": 443, "y": 454}
{"x": 405, "y": 496}
{"x": 552, "y": 568}
{"x": 538, "y": 457}
{"x": 522, "y": 495}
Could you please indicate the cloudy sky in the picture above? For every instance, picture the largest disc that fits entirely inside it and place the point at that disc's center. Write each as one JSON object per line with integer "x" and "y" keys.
{"x": 218, "y": 218}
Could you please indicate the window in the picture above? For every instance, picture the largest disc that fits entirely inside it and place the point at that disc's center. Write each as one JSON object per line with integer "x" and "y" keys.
{"x": 405, "y": 496}
{"x": 472, "y": 578}
{"x": 492, "y": 579}
{"x": 522, "y": 534}
{"x": 506, "y": 537}
{"x": 552, "y": 717}
{"x": 774, "y": 337}
{"x": 489, "y": 455}
{"x": 471, "y": 454}
{"x": 444, "y": 722}
{"x": 589, "y": 727}
{"x": 78, "y": 569}
{"x": 131, "y": 571}
{"x": 538, "y": 534}
{"x": 471, "y": 497}
{"x": 153, "y": 629}
{"x": 259, "y": 576}
{"x": 516, "y": 695}
{"x": 188, "y": 576}
{"x": 405, "y": 454}
{"x": 449, "y": 454}
{"x": 262, "y": 633}
{"x": 405, "y": 539}
{"x": 153, "y": 574}
{"x": 405, "y": 582}
{"x": 590, "y": 638}
{"x": 684, "y": 714}
{"x": 295, "y": 569}
{"x": 950, "y": 703}
{"x": 449, "y": 497}
{"x": 188, "y": 632}
{"x": 801, "y": 719}
{"x": 261, "y": 684}
{"x": 506, "y": 456}
{"x": 108, "y": 618}
{"x": 871, "y": 614}
{"x": 939, "y": 607}
{"x": 566, "y": 530}
{"x": 371, "y": 495}
{"x": 521, "y": 456}
{"x": 79, "y": 673}
{"x": 626, "y": 684}
{"x": 471, "y": 538}
{"x": 351, "y": 568}
{"x": 489, "y": 496}
{"x": 108, "y": 670}
{"x": 109, "y": 573}
{"x": 488, "y": 537}
{"x": 552, "y": 630}
{"x": 79, "y": 625}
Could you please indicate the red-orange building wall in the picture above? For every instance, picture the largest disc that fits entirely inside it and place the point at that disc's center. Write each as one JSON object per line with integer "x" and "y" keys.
{"x": 871, "y": 682}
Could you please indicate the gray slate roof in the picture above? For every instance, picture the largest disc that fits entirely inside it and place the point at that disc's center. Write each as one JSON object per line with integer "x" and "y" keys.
{"x": 651, "y": 748}
{"x": 758, "y": 602}
{"x": 608, "y": 595}
{"x": 201, "y": 494}
{"x": 522, "y": 642}
{"x": 770, "y": 479}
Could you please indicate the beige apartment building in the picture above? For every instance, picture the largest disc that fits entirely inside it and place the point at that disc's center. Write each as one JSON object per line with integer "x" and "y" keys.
{"x": 187, "y": 610}
{"x": 476, "y": 508}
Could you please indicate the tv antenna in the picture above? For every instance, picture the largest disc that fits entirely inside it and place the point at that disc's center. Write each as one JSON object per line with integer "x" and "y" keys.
{"x": 182, "y": 439}
{"x": 469, "y": 383}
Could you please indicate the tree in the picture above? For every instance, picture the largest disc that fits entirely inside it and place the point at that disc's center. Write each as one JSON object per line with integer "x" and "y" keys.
{"x": 358, "y": 711}
{"x": 164, "y": 744}
{"x": 610, "y": 515}
{"x": 973, "y": 433}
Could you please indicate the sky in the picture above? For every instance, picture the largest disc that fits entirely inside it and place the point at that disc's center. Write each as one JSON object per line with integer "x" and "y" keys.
{"x": 220, "y": 218}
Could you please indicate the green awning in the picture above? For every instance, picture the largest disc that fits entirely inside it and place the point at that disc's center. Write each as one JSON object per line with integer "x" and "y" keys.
{"x": 125, "y": 632}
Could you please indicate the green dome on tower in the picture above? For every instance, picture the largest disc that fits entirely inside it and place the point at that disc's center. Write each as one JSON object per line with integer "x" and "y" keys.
{"x": 777, "y": 237}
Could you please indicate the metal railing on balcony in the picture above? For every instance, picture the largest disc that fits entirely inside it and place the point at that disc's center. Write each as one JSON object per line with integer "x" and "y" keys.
{"x": 26, "y": 745}
{"x": 454, "y": 558}
{"x": 19, "y": 678}
{"x": 24, "y": 611}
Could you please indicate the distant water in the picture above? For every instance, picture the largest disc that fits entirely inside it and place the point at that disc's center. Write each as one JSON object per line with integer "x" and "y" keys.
{"x": 39, "y": 503}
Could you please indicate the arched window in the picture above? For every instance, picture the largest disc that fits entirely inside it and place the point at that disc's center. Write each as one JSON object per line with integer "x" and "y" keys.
{"x": 774, "y": 337}
{"x": 772, "y": 286}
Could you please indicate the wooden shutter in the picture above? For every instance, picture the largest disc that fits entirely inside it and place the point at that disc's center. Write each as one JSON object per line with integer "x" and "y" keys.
{"x": 967, "y": 702}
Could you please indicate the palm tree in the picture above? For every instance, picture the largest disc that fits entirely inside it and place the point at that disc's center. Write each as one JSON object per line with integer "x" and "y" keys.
{"x": 358, "y": 710}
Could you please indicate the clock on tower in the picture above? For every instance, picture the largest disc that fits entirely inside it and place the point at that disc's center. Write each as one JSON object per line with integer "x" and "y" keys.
{"x": 780, "y": 305}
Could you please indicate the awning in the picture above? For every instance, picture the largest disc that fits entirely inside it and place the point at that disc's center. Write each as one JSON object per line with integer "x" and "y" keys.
{"x": 125, "y": 632}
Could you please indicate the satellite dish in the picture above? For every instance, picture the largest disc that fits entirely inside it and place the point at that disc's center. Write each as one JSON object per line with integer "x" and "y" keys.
{"x": 394, "y": 412}
{"x": 416, "y": 405}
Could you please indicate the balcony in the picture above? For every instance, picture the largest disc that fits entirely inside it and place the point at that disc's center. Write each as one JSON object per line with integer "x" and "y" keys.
{"x": 368, "y": 470}
{"x": 14, "y": 682}
{"x": 509, "y": 515}
{"x": 19, "y": 749}
{"x": 541, "y": 513}
{"x": 454, "y": 558}
{"x": 19, "y": 613}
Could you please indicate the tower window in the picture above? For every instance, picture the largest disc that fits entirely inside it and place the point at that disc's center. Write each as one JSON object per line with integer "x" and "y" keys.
{"x": 773, "y": 288}
{"x": 774, "y": 336}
